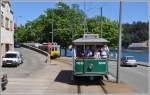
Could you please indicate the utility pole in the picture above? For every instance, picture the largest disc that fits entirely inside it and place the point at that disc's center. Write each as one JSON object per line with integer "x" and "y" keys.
{"x": 84, "y": 17}
{"x": 149, "y": 31}
{"x": 120, "y": 42}
{"x": 101, "y": 9}
{"x": 0, "y": 37}
{"x": 52, "y": 25}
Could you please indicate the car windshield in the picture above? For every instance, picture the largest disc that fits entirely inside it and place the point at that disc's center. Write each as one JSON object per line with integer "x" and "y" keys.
{"x": 130, "y": 58}
{"x": 10, "y": 55}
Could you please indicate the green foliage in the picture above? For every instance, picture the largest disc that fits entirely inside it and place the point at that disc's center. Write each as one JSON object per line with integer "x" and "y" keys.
{"x": 68, "y": 25}
{"x": 109, "y": 29}
{"x": 135, "y": 32}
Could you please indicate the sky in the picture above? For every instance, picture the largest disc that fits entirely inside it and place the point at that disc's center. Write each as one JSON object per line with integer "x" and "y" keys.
{"x": 132, "y": 11}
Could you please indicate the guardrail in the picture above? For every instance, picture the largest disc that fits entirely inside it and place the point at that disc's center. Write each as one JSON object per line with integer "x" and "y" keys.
{"x": 141, "y": 64}
{"x": 25, "y": 45}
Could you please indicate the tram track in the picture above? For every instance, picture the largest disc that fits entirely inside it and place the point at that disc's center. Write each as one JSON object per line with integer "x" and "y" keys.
{"x": 78, "y": 88}
{"x": 101, "y": 84}
{"x": 93, "y": 89}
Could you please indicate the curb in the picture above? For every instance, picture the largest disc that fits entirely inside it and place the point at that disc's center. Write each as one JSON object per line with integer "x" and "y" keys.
{"x": 143, "y": 65}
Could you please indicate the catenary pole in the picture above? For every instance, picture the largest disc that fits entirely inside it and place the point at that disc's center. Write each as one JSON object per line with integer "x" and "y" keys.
{"x": 120, "y": 42}
{"x": 0, "y": 36}
{"x": 149, "y": 32}
{"x": 84, "y": 17}
{"x": 52, "y": 25}
{"x": 101, "y": 9}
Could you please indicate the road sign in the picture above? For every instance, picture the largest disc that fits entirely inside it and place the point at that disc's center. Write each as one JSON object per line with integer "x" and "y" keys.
{"x": 50, "y": 45}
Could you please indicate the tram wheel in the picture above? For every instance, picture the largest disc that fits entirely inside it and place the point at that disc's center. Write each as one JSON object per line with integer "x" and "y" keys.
{"x": 75, "y": 79}
{"x": 97, "y": 78}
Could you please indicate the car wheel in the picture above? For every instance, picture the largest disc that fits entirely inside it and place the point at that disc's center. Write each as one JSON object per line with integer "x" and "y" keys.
{"x": 3, "y": 88}
{"x": 121, "y": 65}
{"x": 3, "y": 65}
{"x": 16, "y": 65}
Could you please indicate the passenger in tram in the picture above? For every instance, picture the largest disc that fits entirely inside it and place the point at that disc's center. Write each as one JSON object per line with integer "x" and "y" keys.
{"x": 105, "y": 51}
{"x": 88, "y": 52}
{"x": 97, "y": 53}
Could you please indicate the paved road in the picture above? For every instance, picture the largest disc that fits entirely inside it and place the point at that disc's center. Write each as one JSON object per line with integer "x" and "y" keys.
{"x": 35, "y": 77}
{"x": 28, "y": 68}
{"x": 135, "y": 76}
{"x": 22, "y": 79}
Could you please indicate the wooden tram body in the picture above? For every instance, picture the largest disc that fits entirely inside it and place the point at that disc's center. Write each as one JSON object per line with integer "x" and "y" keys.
{"x": 89, "y": 66}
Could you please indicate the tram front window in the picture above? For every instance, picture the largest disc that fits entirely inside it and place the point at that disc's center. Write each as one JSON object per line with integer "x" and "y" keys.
{"x": 89, "y": 52}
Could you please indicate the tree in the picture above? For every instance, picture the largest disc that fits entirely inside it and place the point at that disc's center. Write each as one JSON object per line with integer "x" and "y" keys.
{"x": 110, "y": 29}
{"x": 68, "y": 25}
{"x": 135, "y": 32}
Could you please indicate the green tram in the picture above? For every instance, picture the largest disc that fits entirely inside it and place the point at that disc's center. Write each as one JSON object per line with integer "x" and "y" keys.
{"x": 89, "y": 66}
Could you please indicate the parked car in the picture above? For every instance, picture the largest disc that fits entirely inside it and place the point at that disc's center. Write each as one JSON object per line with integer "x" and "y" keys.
{"x": 12, "y": 58}
{"x": 37, "y": 45}
{"x": 4, "y": 81}
{"x": 128, "y": 61}
{"x": 17, "y": 45}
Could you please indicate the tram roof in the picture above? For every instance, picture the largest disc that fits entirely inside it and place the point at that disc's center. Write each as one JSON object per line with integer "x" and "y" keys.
{"x": 90, "y": 39}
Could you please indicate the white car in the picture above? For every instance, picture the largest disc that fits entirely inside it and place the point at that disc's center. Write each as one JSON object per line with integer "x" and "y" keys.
{"x": 37, "y": 45}
{"x": 12, "y": 58}
{"x": 128, "y": 61}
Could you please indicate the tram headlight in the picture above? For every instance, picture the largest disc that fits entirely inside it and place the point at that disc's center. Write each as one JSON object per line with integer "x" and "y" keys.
{"x": 90, "y": 66}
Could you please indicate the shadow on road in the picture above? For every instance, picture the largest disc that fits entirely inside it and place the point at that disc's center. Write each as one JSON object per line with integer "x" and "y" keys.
{"x": 9, "y": 66}
{"x": 66, "y": 76}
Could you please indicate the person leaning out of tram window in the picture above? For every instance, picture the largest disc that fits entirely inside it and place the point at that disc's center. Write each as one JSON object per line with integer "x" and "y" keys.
{"x": 97, "y": 54}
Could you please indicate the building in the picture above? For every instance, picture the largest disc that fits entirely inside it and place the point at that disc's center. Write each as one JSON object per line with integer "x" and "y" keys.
{"x": 6, "y": 28}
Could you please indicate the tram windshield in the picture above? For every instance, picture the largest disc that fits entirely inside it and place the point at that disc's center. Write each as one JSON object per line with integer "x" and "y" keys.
{"x": 90, "y": 51}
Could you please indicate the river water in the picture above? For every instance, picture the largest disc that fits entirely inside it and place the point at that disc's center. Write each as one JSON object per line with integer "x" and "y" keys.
{"x": 140, "y": 55}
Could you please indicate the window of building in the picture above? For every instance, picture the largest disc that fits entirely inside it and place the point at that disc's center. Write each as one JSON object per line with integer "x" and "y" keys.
{"x": 2, "y": 20}
{"x": 11, "y": 26}
{"x": 7, "y": 23}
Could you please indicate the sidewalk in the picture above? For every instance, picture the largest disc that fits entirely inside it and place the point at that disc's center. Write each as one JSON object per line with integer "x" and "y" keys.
{"x": 118, "y": 88}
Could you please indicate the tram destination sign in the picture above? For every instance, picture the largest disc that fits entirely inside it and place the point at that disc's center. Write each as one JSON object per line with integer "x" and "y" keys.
{"x": 91, "y": 36}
